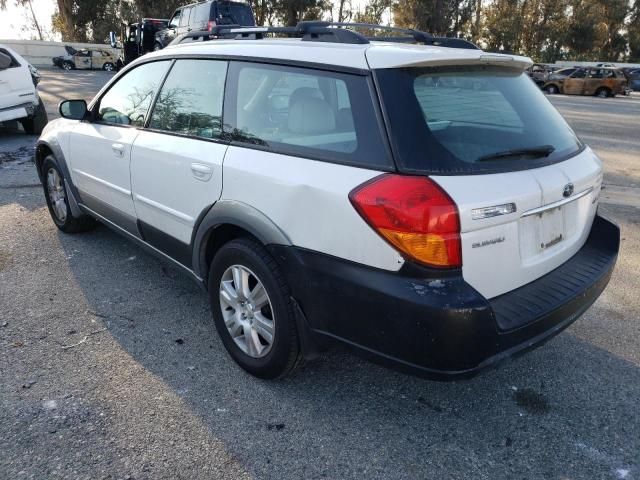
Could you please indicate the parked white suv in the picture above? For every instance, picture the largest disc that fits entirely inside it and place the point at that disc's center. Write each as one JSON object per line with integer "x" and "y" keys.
{"x": 422, "y": 204}
{"x": 19, "y": 98}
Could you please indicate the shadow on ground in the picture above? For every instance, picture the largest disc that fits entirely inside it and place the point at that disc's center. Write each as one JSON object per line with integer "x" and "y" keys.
{"x": 567, "y": 410}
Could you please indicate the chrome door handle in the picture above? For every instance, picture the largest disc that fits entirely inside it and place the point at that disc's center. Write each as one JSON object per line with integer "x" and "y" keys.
{"x": 118, "y": 149}
{"x": 201, "y": 172}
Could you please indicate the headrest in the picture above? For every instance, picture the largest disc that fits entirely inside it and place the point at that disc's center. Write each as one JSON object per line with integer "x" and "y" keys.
{"x": 311, "y": 116}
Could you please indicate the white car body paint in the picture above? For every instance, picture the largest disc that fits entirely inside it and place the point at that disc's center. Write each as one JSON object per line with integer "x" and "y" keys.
{"x": 309, "y": 201}
{"x": 169, "y": 188}
{"x": 99, "y": 162}
{"x": 511, "y": 255}
{"x": 16, "y": 89}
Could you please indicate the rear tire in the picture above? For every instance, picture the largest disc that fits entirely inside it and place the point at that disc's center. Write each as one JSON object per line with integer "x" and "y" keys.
{"x": 55, "y": 193}
{"x": 252, "y": 310}
{"x": 157, "y": 46}
{"x": 109, "y": 67}
{"x": 551, "y": 89}
{"x": 34, "y": 125}
{"x": 603, "y": 92}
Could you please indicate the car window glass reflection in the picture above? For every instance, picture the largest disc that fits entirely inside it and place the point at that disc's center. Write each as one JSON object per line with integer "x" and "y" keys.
{"x": 128, "y": 101}
{"x": 190, "y": 101}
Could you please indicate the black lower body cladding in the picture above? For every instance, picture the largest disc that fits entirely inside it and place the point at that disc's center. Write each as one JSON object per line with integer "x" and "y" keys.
{"x": 442, "y": 327}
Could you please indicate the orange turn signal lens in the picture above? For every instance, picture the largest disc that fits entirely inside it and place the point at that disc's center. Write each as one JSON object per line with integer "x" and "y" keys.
{"x": 415, "y": 215}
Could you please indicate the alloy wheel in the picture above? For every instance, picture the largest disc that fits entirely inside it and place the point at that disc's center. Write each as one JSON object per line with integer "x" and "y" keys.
{"x": 247, "y": 311}
{"x": 57, "y": 196}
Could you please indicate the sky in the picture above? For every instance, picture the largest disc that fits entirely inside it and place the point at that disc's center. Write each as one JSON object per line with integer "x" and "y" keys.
{"x": 14, "y": 19}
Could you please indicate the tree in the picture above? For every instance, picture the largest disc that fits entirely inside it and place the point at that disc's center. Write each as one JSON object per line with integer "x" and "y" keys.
{"x": 290, "y": 12}
{"x": 439, "y": 17}
{"x": 373, "y": 11}
{"x": 634, "y": 32}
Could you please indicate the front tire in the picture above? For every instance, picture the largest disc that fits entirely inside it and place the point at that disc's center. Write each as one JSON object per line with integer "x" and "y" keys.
{"x": 34, "y": 125}
{"x": 252, "y": 309}
{"x": 109, "y": 67}
{"x": 603, "y": 93}
{"x": 551, "y": 89}
{"x": 56, "y": 195}
{"x": 157, "y": 46}
{"x": 68, "y": 65}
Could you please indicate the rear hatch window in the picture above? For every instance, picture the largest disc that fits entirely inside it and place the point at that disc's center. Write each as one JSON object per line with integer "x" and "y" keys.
{"x": 232, "y": 13}
{"x": 471, "y": 119}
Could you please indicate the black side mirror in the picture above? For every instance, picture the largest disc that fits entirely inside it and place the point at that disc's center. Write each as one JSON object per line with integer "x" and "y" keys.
{"x": 73, "y": 109}
{"x": 5, "y": 61}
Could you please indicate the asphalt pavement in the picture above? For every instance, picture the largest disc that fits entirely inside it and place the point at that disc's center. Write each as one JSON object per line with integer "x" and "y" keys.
{"x": 110, "y": 367}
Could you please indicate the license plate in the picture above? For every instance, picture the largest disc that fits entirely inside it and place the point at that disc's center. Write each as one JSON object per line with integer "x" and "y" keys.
{"x": 12, "y": 114}
{"x": 551, "y": 225}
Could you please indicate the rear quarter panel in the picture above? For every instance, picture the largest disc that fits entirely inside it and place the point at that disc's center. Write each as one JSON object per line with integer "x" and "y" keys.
{"x": 309, "y": 201}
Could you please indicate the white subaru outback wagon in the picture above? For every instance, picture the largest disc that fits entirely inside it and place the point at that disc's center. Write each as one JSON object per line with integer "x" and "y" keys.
{"x": 424, "y": 205}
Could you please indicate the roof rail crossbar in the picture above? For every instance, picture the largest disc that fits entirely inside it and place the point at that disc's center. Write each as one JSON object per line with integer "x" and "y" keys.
{"x": 323, "y": 31}
{"x": 417, "y": 35}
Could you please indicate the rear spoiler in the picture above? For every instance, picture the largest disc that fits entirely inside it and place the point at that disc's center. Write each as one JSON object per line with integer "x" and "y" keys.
{"x": 421, "y": 57}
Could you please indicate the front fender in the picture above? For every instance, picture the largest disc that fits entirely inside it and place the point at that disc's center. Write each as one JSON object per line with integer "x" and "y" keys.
{"x": 50, "y": 141}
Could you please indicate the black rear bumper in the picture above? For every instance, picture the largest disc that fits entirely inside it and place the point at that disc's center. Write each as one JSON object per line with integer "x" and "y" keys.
{"x": 432, "y": 324}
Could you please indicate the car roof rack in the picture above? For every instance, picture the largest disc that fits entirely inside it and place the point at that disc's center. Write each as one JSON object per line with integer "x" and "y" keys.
{"x": 321, "y": 31}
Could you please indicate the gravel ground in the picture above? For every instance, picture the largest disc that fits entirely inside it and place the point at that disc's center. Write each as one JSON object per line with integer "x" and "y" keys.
{"x": 110, "y": 367}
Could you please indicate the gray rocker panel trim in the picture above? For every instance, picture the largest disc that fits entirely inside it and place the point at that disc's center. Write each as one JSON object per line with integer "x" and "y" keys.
{"x": 242, "y": 215}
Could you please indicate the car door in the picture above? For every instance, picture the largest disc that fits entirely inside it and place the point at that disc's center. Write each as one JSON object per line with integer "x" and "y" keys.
{"x": 82, "y": 60}
{"x": 99, "y": 149}
{"x": 97, "y": 59}
{"x": 176, "y": 163}
{"x": 172, "y": 30}
{"x": 575, "y": 83}
{"x": 595, "y": 79}
{"x": 527, "y": 213}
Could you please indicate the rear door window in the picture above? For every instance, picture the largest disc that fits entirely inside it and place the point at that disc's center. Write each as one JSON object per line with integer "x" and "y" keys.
{"x": 457, "y": 120}
{"x": 305, "y": 112}
{"x": 190, "y": 102}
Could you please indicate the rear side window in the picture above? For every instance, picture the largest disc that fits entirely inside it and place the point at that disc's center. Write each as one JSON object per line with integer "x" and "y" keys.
{"x": 234, "y": 13}
{"x": 14, "y": 62}
{"x": 305, "y": 112}
{"x": 201, "y": 14}
{"x": 190, "y": 102}
{"x": 460, "y": 120}
{"x": 127, "y": 102}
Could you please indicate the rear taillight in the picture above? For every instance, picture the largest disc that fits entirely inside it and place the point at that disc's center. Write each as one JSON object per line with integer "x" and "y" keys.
{"x": 415, "y": 215}
{"x": 211, "y": 24}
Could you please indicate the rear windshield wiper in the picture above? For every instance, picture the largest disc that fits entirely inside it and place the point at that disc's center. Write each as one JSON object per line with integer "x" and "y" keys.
{"x": 541, "y": 151}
